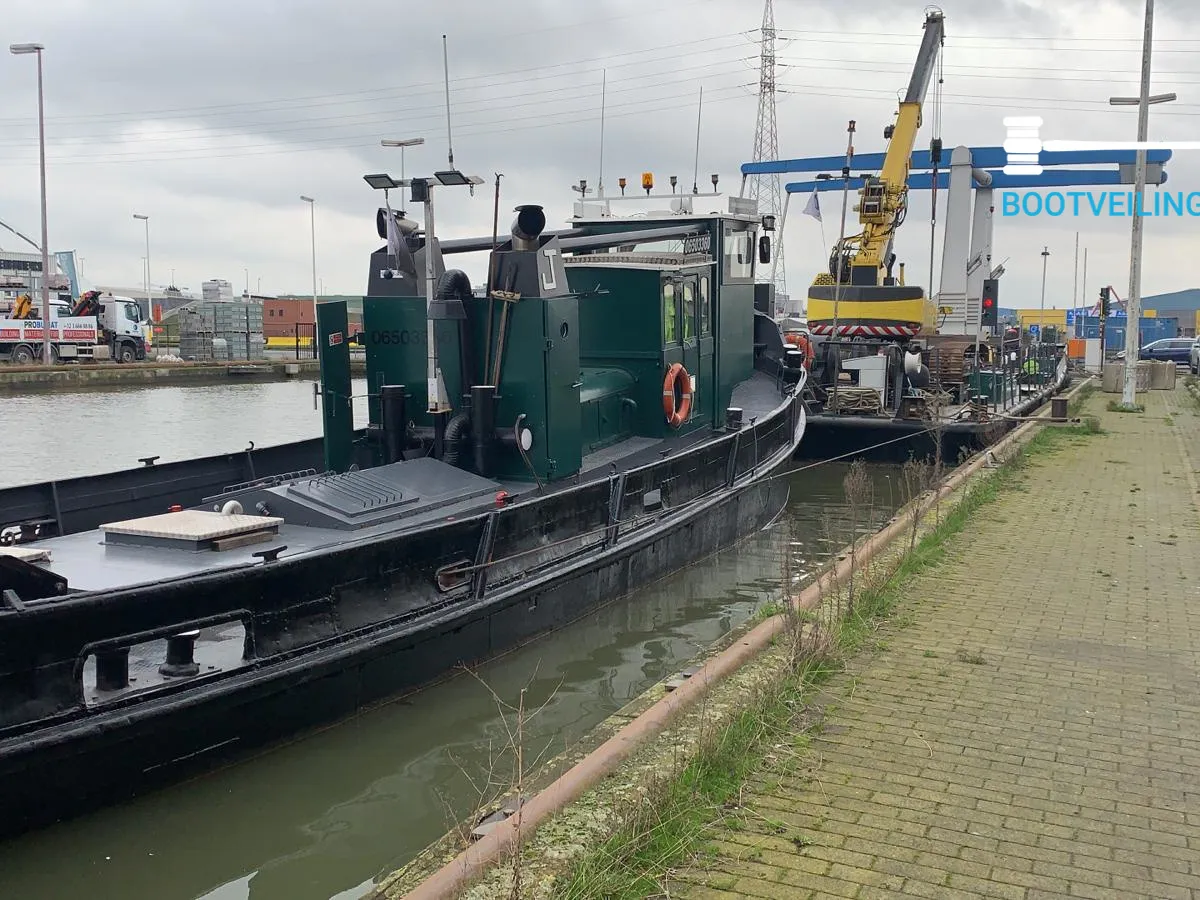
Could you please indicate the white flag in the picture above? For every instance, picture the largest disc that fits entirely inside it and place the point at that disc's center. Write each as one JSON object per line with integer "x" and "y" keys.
{"x": 393, "y": 234}
{"x": 813, "y": 207}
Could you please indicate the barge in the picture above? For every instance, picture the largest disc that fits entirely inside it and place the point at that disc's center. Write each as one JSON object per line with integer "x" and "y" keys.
{"x": 888, "y": 402}
{"x": 611, "y": 408}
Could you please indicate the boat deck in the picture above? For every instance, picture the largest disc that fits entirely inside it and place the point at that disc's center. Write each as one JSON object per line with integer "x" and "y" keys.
{"x": 90, "y": 564}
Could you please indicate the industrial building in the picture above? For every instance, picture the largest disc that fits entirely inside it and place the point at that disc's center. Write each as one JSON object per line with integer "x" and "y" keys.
{"x": 21, "y": 273}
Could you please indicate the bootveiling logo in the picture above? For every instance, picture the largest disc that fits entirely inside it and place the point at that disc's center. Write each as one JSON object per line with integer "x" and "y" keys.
{"x": 1023, "y": 147}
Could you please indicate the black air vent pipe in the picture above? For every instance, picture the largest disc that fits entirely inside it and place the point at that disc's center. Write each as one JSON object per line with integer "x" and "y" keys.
{"x": 483, "y": 426}
{"x": 395, "y": 423}
{"x": 526, "y": 228}
{"x": 452, "y": 289}
{"x": 458, "y": 429}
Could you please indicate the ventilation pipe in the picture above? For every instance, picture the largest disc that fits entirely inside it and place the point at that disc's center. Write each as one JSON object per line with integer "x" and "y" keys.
{"x": 527, "y": 227}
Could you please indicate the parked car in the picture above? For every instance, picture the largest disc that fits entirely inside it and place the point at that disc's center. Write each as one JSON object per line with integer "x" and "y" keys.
{"x": 1194, "y": 356}
{"x": 1176, "y": 350}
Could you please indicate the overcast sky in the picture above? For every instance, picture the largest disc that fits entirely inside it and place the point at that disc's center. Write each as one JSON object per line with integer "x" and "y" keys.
{"x": 213, "y": 117}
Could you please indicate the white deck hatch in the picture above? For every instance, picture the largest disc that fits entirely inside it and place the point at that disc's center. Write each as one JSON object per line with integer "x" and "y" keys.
{"x": 192, "y": 528}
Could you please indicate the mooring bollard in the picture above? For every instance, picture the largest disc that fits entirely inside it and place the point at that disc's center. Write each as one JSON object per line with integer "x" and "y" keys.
{"x": 180, "y": 662}
{"x": 112, "y": 669}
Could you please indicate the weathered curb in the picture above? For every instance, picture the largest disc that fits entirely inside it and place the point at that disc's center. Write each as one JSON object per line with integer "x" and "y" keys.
{"x": 471, "y": 863}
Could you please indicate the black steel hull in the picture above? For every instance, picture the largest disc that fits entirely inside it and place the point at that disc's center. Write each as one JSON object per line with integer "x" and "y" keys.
{"x": 895, "y": 440}
{"x": 78, "y": 762}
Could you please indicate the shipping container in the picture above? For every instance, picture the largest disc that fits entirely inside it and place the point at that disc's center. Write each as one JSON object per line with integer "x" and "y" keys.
{"x": 1151, "y": 329}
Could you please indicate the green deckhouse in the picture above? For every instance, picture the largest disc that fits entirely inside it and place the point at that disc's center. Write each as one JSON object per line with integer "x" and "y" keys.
{"x": 590, "y": 342}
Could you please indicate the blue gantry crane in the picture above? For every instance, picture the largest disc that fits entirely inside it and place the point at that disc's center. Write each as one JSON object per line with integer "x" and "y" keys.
{"x": 967, "y": 245}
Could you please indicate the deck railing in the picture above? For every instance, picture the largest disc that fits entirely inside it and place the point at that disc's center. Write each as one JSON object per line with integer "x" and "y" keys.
{"x": 987, "y": 378}
{"x": 1003, "y": 378}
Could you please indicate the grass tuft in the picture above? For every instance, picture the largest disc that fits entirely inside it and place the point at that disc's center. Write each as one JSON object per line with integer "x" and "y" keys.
{"x": 1079, "y": 401}
{"x": 670, "y": 824}
{"x": 1118, "y": 406}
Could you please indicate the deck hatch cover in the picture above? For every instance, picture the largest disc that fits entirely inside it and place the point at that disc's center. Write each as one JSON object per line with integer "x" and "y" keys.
{"x": 382, "y": 494}
{"x": 352, "y": 493}
{"x": 188, "y": 528}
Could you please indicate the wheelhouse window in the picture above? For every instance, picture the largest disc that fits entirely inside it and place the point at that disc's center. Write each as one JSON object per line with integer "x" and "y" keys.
{"x": 689, "y": 310}
{"x": 670, "y": 314}
{"x": 739, "y": 255}
{"x": 705, "y": 308}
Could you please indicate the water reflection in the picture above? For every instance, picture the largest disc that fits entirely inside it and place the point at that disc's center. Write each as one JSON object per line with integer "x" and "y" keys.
{"x": 120, "y": 426}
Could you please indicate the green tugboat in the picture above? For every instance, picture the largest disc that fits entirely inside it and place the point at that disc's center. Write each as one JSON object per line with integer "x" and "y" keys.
{"x": 612, "y": 407}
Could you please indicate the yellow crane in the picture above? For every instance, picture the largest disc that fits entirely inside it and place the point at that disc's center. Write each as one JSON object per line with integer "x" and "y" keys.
{"x": 859, "y": 291}
{"x": 23, "y": 308}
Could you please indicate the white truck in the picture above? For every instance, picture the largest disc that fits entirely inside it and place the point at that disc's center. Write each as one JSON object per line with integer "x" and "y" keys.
{"x": 107, "y": 327}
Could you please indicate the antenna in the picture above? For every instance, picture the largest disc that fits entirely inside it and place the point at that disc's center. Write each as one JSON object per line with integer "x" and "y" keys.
{"x": 696, "y": 173}
{"x": 603, "y": 97}
{"x": 446, "y": 73}
{"x": 766, "y": 190}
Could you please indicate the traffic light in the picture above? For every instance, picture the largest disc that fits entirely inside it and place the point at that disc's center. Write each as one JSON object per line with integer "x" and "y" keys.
{"x": 990, "y": 309}
{"x": 1105, "y": 293}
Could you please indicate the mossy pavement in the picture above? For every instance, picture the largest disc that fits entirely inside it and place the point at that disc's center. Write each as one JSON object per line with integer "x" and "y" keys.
{"x": 1027, "y": 724}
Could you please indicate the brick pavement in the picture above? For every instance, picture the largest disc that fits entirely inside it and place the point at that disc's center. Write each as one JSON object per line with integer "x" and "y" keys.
{"x": 1028, "y": 723}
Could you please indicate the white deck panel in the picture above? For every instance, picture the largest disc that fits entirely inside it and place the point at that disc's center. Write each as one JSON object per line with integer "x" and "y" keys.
{"x": 192, "y": 525}
{"x": 27, "y": 554}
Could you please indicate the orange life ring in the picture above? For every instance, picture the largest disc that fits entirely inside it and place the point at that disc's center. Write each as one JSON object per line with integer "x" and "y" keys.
{"x": 677, "y": 411}
{"x": 801, "y": 342}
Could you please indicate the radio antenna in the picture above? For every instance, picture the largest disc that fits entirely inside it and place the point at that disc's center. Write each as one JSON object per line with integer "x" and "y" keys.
{"x": 446, "y": 73}
{"x": 696, "y": 174}
{"x": 603, "y": 97}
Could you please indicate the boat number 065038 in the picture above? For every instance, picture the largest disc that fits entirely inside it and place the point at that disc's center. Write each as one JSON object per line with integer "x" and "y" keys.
{"x": 396, "y": 336}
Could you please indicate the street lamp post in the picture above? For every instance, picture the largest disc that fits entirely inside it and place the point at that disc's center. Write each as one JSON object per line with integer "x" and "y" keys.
{"x": 1042, "y": 313}
{"x": 406, "y": 142}
{"x": 21, "y": 50}
{"x": 312, "y": 208}
{"x": 1133, "y": 306}
{"x": 149, "y": 299}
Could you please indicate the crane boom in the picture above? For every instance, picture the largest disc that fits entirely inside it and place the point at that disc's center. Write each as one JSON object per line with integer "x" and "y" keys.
{"x": 858, "y": 295}
{"x": 35, "y": 246}
{"x": 931, "y": 45}
{"x": 885, "y": 198}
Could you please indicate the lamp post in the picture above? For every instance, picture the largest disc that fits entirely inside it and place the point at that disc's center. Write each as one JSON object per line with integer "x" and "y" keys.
{"x": 422, "y": 190}
{"x": 1042, "y": 313}
{"x": 1133, "y": 306}
{"x": 21, "y": 50}
{"x": 406, "y": 142}
{"x": 149, "y": 299}
{"x": 312, "y": 208}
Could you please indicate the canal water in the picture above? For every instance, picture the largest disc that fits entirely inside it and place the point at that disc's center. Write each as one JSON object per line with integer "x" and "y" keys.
{"x": 322, "y": 818}
{"x": 53, "y": 434}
